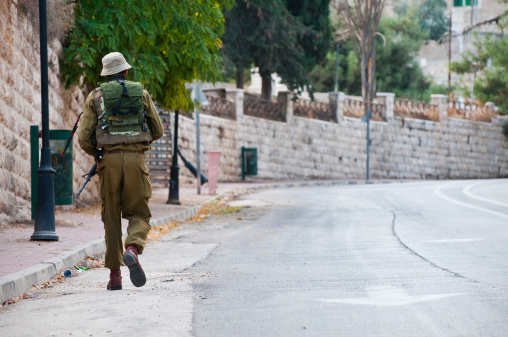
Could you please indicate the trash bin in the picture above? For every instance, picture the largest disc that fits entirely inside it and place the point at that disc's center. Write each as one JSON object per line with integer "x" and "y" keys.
{"x": 213, "y": 170}
{"x": 62, "y": 165}
{"x": 249, "y": 161}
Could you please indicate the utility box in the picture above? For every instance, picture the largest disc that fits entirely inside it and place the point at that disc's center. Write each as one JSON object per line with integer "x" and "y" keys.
{"x": 62, "y": 165}
{"x": 249, "y": 161}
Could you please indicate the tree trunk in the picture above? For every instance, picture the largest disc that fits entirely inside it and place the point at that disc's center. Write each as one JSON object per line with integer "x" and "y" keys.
{"x": 364, "y": 66}
{"x": 368, "y": 64}
{"x": 362, "y": 19}
{"x": 239, "y": 77}
{"x": 266, "y": 88}
{"x": 373, "y": 73}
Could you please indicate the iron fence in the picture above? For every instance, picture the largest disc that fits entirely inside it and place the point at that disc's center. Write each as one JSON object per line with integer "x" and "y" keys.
{"x": 219, "y": 107}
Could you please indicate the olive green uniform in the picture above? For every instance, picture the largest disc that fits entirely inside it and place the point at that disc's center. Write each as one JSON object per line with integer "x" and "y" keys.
{"x": 125, "y": 186}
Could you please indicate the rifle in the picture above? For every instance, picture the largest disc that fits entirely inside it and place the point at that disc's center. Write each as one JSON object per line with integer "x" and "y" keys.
{"x": 88, "y": 176}
{"x": 72, "y": 134}
{"x": 92, "y": 172}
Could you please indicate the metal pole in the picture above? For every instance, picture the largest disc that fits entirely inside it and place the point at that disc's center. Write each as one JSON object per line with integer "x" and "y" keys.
{"x": 472, "y": 11}
{"x": 368, "y": 143}
{"x": 474, "y": 80}
{"x": 336, "y": 88}
{"x": 45, "y": 205}
{"x": 198, "y": 157}
{"x": 450, "y": 51}
{"x": 173, "y": 175}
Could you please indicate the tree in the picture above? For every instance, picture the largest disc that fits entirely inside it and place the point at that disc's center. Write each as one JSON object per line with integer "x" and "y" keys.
{"x": 284, "y": 37}
{"x": 239, "y": 22}
{"x": 167, "y": 43}
{"x": 322, "y": 77}
{"x": 399, "y": 74}
{"x": 431, "y": 16}
{"x": 316, "y": 41}
{"x": 361, "y": 18}
{"x": 490, "y": 62}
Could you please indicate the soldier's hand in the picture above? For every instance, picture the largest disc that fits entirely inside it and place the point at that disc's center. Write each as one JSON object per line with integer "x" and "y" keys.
{"x": 97, "y": 169}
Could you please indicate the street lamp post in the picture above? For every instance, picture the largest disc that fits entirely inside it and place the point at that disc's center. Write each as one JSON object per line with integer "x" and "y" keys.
{"x": 173, "y": 175}
{"x": 475, "y": 68}
{"x": 45, "y": 206}
{"x": 366, "y": 119}
{"x": 336, "y": 88}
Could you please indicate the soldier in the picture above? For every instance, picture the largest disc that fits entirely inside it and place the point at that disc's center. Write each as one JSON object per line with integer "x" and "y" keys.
{"x": 119, "y": 123}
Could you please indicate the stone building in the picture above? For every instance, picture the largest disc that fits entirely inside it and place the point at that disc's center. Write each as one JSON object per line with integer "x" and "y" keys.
{"x": 434, "y": 56}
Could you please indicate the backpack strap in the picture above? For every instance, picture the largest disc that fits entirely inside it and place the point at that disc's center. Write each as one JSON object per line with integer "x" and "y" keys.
{"x": 124, "y": 94}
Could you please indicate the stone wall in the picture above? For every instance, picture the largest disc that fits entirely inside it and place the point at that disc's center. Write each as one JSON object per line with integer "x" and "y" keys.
{"x": 304, "y": 148}
{"x": 216, "y": 134}
{"x": 20, "y": 107}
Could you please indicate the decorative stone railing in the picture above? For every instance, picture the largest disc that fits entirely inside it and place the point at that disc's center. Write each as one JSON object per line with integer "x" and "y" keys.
{"x": 358, "y": 108}
{"x": 414, "y": 109}
{"x": 258, "y": 107}
{"x": 315, "y": 110}
{"x": 470, "y": 110}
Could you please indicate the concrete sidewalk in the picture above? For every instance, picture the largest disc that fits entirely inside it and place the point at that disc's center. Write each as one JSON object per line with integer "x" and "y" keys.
{"x": 26, "y": 263}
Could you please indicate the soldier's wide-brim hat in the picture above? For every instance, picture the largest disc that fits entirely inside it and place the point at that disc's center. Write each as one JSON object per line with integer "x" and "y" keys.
{"x": 114, "y": 63}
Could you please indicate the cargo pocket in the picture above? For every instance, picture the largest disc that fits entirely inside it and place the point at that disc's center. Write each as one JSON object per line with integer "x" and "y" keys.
{"x": 100, "y": 172}
{"x": 147, "y": 185}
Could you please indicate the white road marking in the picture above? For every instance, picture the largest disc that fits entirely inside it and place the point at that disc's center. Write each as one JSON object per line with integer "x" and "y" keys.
{"x": 386, "y": 296}
{"x": 471, "y": 195}
{"x": 438, "y": 193}
{"x": 452, "y": 240}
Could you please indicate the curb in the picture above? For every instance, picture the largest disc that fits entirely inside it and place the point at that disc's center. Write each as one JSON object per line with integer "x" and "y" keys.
{"x": 16, "y": 284}
{"x": 318, "y": 184}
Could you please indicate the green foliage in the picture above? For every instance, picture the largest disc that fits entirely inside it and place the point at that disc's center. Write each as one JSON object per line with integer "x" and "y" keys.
{"x": 168, "y": 43}
{"x": 282, "y": 36}
{"x": 275, "y": 45}
{"x": 430, "y": 14}
{"x": 239, "y": 22}
{"x": 505, "y": 129}
{"x": 316, "y": 41}
{"x": 322, "y": 77}
{"x": 396, "y": 70}
{"x": 490, "y": 62}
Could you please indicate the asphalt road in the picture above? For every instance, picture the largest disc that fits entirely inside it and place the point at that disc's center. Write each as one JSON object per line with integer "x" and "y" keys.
{"x": 411, "y": 259}
{"x": 399, "y": 259}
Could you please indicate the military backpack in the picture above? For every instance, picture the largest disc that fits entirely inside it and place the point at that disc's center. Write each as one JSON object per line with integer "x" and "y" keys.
{"x": 121, "y": 118}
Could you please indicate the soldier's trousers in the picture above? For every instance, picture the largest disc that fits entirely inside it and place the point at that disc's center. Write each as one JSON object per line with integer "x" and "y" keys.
{"x": 125, "y": 189}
